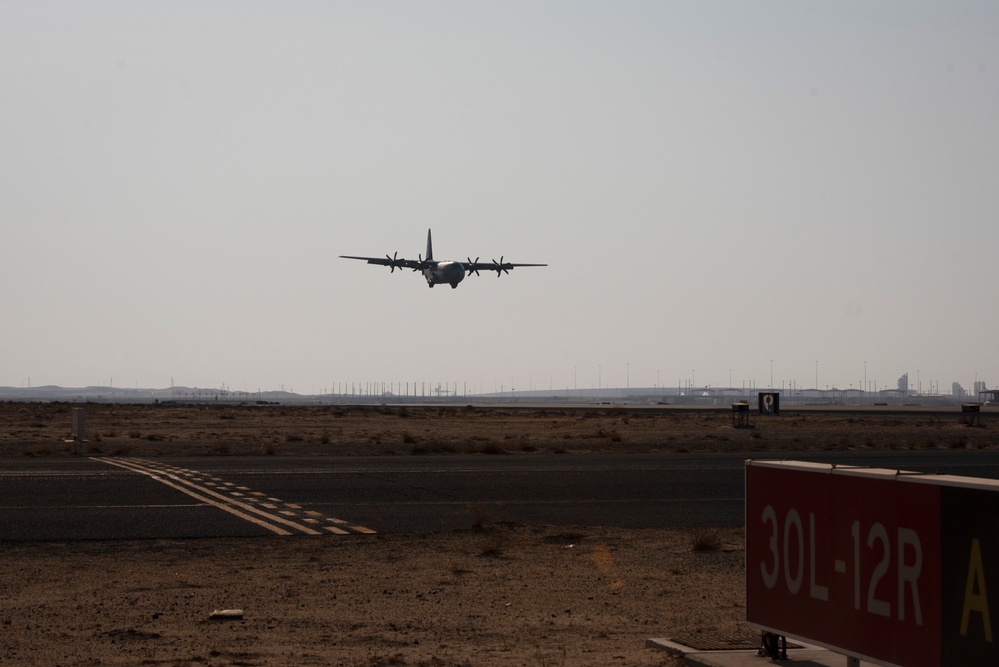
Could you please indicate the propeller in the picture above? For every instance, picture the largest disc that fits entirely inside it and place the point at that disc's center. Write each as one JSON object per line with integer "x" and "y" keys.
{"x": 499, "y": 267}
{"x": 471, "y": 266}
{"x": 394, "y": 261}
{"x": 420, "y": 264}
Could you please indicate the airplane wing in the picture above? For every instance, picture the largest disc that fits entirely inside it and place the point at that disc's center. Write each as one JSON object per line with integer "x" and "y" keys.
{"x": 499, "y": 267}
{"x": 393, "y": 262}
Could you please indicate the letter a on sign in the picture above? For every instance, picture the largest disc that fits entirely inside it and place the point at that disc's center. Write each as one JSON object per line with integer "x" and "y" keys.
{"x": 975, "y": 596}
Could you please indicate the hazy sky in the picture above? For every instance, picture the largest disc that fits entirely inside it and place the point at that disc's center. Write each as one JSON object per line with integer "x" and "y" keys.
{"x": 718, "y": 188}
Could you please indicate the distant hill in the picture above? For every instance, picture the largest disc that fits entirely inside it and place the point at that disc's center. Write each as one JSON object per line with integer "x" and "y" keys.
{"x": 138, "y": 395}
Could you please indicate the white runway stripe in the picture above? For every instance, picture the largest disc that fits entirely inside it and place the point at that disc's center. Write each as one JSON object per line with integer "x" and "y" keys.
{"x": 246, "y": 506}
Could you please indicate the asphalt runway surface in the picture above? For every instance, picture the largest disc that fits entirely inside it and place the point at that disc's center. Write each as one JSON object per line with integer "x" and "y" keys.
{"x": 110, "y": 498}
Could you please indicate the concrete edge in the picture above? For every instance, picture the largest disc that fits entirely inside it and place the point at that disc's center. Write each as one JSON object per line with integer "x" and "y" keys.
{"x": 807, "y": 655}
{"x": 695, "y": 657}
{"x": 668, "y": 645}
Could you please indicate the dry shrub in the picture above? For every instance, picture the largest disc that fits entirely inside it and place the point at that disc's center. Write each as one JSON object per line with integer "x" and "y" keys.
{"x": 482, "y": 519}
{"x": 493, "y": 448}
{"x": 386, "y": 660}
{"x": 493, "y": 544}
{"x": 438, "y": 446}
{"x": 552, "y": 658}
{"x": 705, "y": 540}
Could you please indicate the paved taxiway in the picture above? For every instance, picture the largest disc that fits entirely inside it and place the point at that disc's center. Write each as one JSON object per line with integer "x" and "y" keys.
{"x": 132, "y": 498}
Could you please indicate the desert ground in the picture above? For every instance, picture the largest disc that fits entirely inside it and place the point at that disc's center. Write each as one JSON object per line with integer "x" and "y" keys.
{"x": 40, "y": 429}
{"x": 492, "y": 594}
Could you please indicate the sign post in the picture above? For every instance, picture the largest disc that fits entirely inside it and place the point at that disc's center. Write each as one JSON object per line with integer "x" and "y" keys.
{"x": 79, "y": 424}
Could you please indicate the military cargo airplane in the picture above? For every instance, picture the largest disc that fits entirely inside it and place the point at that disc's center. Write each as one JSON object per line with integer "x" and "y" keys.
{"x": 441, "y": 271}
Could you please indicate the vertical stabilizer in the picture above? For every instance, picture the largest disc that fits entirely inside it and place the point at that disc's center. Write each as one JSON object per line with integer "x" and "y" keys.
{"x": 430, "y": 247}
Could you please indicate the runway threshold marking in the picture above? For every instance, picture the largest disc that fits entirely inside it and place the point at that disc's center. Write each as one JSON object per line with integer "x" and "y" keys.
{"x": 194, "y": 484}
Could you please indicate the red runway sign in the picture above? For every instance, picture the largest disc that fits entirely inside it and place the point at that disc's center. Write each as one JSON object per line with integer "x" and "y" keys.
{"x": 890, "y": 567}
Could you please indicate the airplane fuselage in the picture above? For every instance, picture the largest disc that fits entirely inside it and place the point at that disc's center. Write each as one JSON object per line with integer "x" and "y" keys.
{"x": 446, "y": 271}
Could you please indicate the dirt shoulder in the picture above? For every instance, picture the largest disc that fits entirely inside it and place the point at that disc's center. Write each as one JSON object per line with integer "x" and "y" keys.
{"x": 501, "y": 596}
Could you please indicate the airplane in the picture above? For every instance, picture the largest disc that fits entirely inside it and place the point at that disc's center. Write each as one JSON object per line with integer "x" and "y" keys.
{"x": 437, "y": 272}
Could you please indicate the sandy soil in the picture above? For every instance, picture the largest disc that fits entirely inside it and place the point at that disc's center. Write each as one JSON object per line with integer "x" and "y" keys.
{"x": 502, "y": 596}
{"x": 494, "y": 595}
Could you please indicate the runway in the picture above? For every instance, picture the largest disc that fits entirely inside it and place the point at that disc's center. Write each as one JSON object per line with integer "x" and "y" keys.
{"x": 109, "y": 498}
